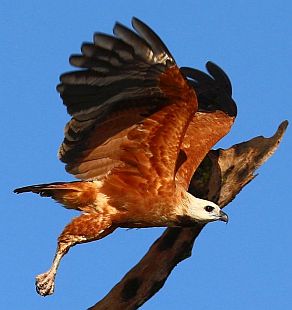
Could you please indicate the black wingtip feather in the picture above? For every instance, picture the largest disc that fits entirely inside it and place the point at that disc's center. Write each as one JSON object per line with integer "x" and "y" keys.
{"x": 220, "y": 76}
{"x": 214, "y": 90}
{"x": 131, "y": 38}
{"x": 157, "y": 45}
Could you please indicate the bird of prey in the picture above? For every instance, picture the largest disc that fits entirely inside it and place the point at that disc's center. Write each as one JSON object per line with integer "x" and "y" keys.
{"x": 140, "y": 127}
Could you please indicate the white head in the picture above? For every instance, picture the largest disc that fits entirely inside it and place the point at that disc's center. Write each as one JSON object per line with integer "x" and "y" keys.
{"x": 203, "y": 211}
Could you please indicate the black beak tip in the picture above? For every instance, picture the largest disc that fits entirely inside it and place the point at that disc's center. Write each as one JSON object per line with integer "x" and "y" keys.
{"x": 223, "y": 217}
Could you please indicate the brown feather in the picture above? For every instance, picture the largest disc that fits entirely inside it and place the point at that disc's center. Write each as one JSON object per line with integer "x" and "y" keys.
{"x": 204, "y": 131}
{"x": 73, "y": 195}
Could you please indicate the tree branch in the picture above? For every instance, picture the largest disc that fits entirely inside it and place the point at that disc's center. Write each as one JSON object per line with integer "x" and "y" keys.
{"x": 220, "y": 177}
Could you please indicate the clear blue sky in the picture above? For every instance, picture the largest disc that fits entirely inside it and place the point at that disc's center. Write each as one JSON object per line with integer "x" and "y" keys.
{"x": 243, "y": 265}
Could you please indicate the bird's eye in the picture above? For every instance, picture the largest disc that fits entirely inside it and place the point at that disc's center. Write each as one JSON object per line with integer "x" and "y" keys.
{"x": 209, "y": 208}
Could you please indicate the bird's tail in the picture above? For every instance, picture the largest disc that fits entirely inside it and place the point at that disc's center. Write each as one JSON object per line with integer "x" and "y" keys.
{"x": 73, "y": 195}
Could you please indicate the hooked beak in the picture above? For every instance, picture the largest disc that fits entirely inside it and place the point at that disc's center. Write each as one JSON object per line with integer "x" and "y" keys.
{"x": 223, "y": 217}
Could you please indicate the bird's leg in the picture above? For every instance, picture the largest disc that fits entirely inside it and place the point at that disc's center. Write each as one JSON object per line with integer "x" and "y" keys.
{"x": 85, "y": 228}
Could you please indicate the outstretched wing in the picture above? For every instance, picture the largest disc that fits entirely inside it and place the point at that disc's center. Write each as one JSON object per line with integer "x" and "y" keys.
{"x": 215, "y": 116}
{"x": 130, "y": 108}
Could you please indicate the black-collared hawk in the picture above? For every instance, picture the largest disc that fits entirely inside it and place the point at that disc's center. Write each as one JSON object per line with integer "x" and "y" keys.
{"x": 140, "y": 127}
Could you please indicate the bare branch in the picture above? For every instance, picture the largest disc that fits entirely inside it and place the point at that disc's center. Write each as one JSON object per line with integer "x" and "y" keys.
{"x": 221, "y": 176}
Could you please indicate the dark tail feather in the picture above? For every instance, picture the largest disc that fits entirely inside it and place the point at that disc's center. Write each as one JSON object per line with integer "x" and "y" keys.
{"x": 44, "y": 190}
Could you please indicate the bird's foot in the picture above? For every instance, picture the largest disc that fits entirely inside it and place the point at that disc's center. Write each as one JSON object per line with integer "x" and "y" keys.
{"x": 45, "y": 283}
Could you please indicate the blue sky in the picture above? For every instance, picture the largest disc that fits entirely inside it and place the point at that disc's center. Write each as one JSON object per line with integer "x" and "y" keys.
{"x": 243, "y": 265}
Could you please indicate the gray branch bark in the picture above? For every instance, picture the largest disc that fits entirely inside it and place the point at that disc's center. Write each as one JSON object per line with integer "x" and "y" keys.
{"x": 221, "y": 176}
